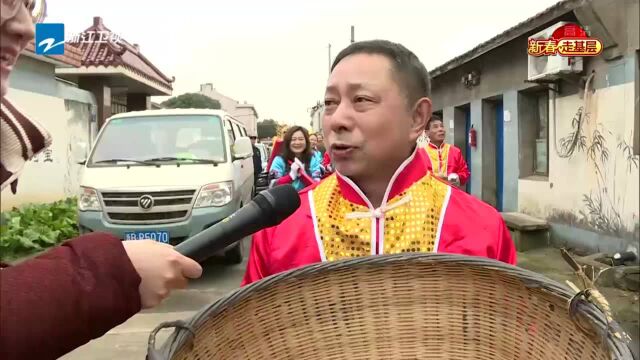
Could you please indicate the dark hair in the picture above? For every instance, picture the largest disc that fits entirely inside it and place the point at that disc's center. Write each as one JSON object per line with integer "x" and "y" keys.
{"x": 321, "y": 148}
{"x": 434, "y": 117}
{"x": 288, "y": 155}
{"x": 411, "y": 74}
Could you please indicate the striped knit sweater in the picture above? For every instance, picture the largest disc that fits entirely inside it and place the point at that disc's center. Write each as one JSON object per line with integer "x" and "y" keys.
{"x": 88, "y": 281}
{"x": 20, "y": 140}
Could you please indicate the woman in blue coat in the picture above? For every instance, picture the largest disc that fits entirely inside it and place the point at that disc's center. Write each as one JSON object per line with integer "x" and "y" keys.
{"x": 297, "y": 164}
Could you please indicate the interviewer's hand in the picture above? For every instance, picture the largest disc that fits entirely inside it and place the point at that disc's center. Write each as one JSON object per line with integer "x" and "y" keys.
{"x": 161, "y": 269}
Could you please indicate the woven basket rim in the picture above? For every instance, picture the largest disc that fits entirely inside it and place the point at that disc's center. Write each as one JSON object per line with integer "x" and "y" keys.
{"x": 530, "y": 279}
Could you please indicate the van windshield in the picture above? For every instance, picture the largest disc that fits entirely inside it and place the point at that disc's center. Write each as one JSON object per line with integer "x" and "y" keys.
{"x": 148, "y": 140}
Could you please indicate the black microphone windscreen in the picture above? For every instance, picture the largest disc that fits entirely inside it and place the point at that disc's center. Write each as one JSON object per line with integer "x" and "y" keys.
{"x": 278, "y": 203}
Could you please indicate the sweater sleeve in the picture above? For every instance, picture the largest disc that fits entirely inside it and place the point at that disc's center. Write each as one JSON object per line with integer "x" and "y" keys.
{"x": 66, "y": 297}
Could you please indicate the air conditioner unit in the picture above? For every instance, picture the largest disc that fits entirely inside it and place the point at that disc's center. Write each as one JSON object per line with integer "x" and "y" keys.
{"x": 552, "y": 67}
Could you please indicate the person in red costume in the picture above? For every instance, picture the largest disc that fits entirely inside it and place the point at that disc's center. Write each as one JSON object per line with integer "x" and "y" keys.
{"x": 73, "y": 293}
{"x": 326, "y": 164}
{"x": 277, "y": 147}
{"x": 382, "y": 198}
{"x": 444, "y": 160}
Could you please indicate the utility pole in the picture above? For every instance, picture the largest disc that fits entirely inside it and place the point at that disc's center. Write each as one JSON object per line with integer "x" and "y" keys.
{"x": 352, "y": 34}
{"x": 329, "y": 59}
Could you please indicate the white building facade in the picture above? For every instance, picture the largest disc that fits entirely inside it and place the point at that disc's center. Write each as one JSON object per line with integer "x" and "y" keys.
{"x": 243, "y": 112}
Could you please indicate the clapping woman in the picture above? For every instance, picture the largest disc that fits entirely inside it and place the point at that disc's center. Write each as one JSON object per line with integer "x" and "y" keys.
{"x": 296, "y": 164}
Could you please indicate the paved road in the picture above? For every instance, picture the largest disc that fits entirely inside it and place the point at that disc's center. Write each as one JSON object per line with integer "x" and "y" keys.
{"x": 129, "y": 340}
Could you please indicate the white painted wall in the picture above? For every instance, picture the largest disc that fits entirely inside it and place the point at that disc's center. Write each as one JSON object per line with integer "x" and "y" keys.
{"x": 247, "y": 116}
{"x": 242, "y": 112}
{"x": 612, "y": 113}
{"x": 44, "y": 181}
{"x": 228, "y": 104}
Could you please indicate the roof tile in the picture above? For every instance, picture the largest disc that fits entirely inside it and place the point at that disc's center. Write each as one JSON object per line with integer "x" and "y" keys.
{"x": 121, "y": 53}
{"x": 71, "y": 56}
{"x": 559, "y": 8}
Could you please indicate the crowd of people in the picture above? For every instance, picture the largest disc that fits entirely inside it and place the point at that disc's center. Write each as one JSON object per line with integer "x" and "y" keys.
{"x": 300, "y": 158}
{"x": 373, "y": 191}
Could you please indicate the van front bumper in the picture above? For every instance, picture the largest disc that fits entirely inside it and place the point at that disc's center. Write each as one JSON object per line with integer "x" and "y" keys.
{"x": 200, "y": 219}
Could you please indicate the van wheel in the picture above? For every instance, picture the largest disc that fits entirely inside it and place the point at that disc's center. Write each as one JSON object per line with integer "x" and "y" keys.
{"x": 234, "y": 255}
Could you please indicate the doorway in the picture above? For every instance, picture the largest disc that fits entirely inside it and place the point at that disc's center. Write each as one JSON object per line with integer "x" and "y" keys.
{"x": 499, "y": 155}
{"x": 462, "y": 124}
{"x": 467, "y": 146}
{"x": 492, "y": 137}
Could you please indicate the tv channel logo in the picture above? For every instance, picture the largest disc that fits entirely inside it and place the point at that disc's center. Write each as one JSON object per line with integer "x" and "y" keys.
{"x": 49, "y": 39}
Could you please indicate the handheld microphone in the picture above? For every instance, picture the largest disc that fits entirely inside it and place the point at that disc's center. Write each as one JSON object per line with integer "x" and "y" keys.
{"x": 268, "y": 208}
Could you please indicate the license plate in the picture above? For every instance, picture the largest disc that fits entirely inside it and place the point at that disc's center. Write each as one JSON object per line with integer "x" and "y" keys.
{"x": 159, "y": 236}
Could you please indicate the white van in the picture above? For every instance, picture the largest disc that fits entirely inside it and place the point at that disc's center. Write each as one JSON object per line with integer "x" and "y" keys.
{"x": 166, "y": 175}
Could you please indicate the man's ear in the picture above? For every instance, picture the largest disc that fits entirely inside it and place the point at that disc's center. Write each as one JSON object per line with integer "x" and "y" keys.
{"x": 421, "y": 114}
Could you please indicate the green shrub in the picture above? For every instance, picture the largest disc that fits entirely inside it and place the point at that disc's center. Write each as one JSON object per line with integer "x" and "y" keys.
{"x": 33, "y": 228}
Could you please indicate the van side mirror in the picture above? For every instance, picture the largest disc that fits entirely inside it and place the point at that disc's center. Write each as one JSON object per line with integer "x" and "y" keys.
{"x": 242, "y": 148}
{"x": 80, "y": 153}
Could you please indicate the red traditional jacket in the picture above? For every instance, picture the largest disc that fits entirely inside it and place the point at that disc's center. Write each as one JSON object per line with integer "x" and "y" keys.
{"x": 326, "y": 160}
{"x": 275, "y": 151}
{"x": 446, "y": 160}
{"x": 419, "y": 213}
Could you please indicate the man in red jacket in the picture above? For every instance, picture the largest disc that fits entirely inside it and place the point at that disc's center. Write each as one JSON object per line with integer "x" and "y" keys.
{"x": 445, "y": 160}
{"x": 381, "y": 199}
{"x": 71, "y": 294}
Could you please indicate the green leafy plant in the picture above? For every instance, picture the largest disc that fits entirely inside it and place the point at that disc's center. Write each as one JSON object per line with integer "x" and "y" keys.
{"x": 33, "y": 228}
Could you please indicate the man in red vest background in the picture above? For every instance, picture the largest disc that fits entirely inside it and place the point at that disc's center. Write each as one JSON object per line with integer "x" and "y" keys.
{"x": 446, "y": 160}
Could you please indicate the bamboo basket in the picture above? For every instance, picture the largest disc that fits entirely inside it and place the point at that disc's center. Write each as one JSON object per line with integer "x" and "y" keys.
{"x": 406, "y": 306}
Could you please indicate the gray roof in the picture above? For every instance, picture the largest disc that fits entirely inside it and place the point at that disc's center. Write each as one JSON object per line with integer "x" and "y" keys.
{"x": 520, "y": 29}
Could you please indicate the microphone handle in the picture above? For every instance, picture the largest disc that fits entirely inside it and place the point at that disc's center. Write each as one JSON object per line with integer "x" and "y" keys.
{"x": 213, "y": 239}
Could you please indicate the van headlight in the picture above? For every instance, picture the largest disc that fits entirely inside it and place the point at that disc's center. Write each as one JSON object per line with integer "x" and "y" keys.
{"x": 88, "y": 200}
{"x": 217, "y": 194}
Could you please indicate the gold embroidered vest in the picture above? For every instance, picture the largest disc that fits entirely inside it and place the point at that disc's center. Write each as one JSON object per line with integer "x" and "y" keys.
{"x": 439, "y": 159}
{"x": 410, "y": 226}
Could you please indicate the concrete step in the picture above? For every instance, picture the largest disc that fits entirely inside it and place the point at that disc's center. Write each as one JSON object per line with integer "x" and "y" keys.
{"x": 527, "y": 232}
{"x": 523, "y": 222}
{"x": 530, "y": 240}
